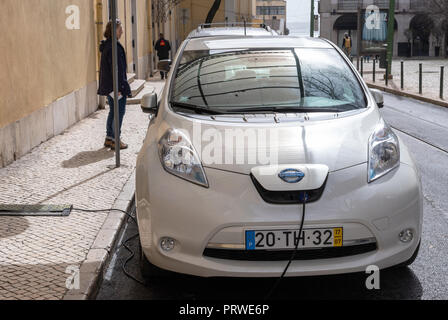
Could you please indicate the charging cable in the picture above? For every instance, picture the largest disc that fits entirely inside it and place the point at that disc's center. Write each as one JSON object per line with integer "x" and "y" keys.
{"x": 105, "y": 210}
{"x": 125, "y": 242}
{"x": 303, "y": 197}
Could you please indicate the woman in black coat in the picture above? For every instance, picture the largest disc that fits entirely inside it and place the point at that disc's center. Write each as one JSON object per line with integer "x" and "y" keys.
{"x": 106, "y": 86}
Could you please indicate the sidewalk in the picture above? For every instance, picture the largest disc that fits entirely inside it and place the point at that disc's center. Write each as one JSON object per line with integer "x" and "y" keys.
{"x": 430, "y": 79}
{"x": 72, "y": 168}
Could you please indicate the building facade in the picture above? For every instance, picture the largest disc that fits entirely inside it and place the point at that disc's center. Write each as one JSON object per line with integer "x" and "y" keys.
{"x": 412, "y": 37}
{"x": 50, "y": 57}
{"x": 271, "y": 13}
{"x": 50, "y": 63}
{"x": 192, "y": 13}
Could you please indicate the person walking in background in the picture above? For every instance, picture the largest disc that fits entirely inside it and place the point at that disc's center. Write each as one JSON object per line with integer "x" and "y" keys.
{"x": 163, "y": 48}
{"x": 106, "y": 86}
{"x": 347, "y": 45}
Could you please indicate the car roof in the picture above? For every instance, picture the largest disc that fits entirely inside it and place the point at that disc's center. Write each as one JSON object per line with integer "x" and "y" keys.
{"x": 230, "y": 31}
{"x": 245, "y": 42}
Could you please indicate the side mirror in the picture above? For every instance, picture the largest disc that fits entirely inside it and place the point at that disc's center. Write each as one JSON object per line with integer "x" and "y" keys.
{"x": 149, "y": 103}
{"x": 378, "y": 96}
{"x": 164, "y": 65}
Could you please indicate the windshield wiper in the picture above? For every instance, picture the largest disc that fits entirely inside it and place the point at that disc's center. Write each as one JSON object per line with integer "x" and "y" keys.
{"x": 283, "y": 109}
{"x": 195, "y": 108}
{"x": 268, "y": 109}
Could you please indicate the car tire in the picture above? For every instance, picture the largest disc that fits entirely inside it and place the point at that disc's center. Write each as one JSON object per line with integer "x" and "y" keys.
{"x": 411, "y": 259}
{"x": 150, "y": 272}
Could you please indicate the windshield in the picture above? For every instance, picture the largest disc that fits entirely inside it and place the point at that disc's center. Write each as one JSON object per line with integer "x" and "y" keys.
{"x": 302, "y": 80}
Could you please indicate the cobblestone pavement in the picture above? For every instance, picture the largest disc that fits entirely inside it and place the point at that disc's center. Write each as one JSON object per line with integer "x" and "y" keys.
{"x": 72, "y": 168}
{"x": 430, "y": 77}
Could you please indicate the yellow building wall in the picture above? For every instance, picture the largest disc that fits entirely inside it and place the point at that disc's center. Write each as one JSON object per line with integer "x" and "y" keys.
{"x": 245, "y": 9}
{"x": 125, "y": 13}
{"x": 198, "y": 10}
{"x": 40, "y": 59}
{"x": 144, "y": 27}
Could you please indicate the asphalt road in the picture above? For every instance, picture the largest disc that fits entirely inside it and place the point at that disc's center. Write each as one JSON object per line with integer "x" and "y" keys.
{"x": 424, "y": 129}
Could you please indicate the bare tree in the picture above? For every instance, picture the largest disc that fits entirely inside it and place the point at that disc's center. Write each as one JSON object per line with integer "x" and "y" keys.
{"x": 163, "y": 8}
{"x": 438, "y": 11}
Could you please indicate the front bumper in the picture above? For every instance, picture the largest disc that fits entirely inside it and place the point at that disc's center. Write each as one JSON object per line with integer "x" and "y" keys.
{"x": 198, "y": 218}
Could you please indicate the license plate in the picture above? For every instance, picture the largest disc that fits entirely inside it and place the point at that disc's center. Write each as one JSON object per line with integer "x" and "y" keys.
{"x": 287, "y": 239}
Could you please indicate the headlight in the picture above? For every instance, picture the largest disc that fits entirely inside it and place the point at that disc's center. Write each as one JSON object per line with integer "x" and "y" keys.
{"x": 384, "y": 152}
{"x": 179, "y": 157}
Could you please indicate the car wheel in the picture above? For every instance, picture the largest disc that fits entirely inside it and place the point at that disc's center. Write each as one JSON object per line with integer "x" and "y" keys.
{"x": 411, "y": 259}
{"x": 150, "y": 272}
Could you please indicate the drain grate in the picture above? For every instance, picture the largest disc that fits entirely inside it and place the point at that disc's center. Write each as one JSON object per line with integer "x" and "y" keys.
{"x": 35, "y": 210}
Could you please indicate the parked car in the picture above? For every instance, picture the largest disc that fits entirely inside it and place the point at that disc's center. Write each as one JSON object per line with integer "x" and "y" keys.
{"x": 246, "y": 133}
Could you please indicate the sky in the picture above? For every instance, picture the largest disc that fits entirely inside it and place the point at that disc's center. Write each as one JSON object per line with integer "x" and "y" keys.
{"x": 298, "y": 16}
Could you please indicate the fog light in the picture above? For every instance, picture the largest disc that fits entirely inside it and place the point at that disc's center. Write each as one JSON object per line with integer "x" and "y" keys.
{"x": 406, "y": 235}
{"x": 167, "y": 244}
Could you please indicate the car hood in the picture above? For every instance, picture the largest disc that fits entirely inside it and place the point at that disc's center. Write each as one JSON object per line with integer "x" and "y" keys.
{"x": 241, "y": 143}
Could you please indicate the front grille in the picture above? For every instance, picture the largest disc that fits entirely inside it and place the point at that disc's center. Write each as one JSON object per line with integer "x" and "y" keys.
{"x": 287, "y": 197}
{"x": 285, "y": 255}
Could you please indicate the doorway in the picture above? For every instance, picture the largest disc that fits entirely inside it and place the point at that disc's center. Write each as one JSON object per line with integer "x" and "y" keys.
{"x": 421, "y": 26}
{"x": 134, "y": 36}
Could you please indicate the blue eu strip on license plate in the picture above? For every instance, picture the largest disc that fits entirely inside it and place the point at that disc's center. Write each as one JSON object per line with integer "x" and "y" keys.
{"x": 250, "y": 240}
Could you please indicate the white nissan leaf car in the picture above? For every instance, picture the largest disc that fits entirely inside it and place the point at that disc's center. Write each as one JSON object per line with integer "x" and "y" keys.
{"x": 268, "y": 150}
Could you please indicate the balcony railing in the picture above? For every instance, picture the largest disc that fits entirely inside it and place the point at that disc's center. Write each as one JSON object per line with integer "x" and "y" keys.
{"x": 349, "y": 4}
{"x": 384, "y": 4}
{"x": 418, "y": 5}
{"x": 353, "y": 4}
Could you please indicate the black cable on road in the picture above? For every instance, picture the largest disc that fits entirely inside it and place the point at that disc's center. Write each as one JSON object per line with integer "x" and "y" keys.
{"x": 125, "y": 242}
{"x": 276, "y": 284}
{"x": 132, "y": 254}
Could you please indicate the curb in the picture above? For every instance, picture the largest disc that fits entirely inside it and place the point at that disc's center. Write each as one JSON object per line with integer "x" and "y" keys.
{"x": 92, "y": 269}
{"x": 408, "y": 95}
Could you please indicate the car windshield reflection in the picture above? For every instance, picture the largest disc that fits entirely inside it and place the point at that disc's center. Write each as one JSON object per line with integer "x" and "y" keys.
{"x": 231, "y": 81}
